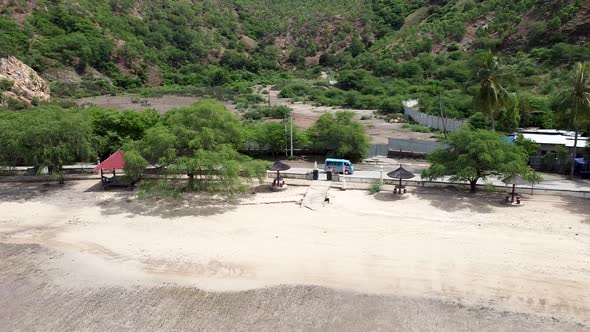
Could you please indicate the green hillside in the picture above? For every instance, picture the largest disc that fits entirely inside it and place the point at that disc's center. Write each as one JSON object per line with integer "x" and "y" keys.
{"x": 383, "y": 51}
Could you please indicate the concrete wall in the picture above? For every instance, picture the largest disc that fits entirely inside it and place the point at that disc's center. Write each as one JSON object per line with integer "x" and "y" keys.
{"x": 420, "y": 147}
{"x": 436, "y": 184}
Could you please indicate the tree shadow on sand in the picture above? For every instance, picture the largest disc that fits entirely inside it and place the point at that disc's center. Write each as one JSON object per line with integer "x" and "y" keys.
{"x": 98, "y": 188}
{"x": 198, "y": 205}
{"x": 389, "y": 196}
{"x": 264, "y": 188}
{"x": 29, "y": 191}
{"x": 579, "y": 206}
{"x": 453, "y": 199}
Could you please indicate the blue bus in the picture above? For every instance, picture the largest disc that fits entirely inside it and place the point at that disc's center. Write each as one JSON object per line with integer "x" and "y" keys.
{"x": 339, "y": 166}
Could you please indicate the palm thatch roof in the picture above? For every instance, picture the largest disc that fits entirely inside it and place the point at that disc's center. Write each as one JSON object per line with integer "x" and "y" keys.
{"x": 279, "y": 166}
{"x": 517, "y": 180}
{"x": 401, "y": 173}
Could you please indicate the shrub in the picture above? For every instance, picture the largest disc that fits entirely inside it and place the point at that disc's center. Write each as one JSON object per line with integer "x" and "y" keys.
{"x": 478, "y": 121}
{"x": 391, "y": 105}
{"x": 417, "y": 128}
{"x": 536, "y": 31}
{"x": 409, "y": 70}
{"x": 6, "y": 85}
{"x": 340, "y": 135}
{"x": 375, "y": 186}
{"x": 295, "y": 90}
{"x": 274, "y": 112}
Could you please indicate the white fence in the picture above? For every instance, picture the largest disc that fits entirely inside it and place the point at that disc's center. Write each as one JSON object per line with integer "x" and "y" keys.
{"x": 431, "y": 121}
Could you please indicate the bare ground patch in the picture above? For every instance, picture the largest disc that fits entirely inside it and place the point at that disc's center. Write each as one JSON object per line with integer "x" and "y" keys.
{"x": 136, "y": 103}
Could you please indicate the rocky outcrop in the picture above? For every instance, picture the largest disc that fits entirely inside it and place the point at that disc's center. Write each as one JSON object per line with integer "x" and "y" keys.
{"x": 578, "y": 28}
{"x": 27, "y": 86}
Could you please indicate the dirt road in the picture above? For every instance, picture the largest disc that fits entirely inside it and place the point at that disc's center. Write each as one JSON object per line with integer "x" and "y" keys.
{"x": 305, "y": 115}
{"x": 73, "y": 258}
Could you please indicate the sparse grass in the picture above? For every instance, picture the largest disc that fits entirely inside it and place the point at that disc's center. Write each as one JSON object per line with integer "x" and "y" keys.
{"x": 417, "y": 128}
{"x": 221, "y": 93}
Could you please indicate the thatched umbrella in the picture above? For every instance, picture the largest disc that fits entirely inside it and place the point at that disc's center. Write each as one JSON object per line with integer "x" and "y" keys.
{"x": 515, "y": 180}
{"x": 278, "y": 166}
{"x": 401, "y": 173}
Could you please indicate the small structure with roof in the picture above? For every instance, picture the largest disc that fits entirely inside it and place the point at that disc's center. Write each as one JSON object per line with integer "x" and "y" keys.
{"x": 552, "y": 142}
{"x": 402, "y": 174}
{"x": 113, "y": 163}
{"x": 278, "y": 183}
{"x": 515, "y": 180}
{"x": 550, "y": 139}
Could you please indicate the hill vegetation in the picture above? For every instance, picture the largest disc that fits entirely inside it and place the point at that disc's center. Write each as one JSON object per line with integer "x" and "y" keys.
{"x": 380, "y": 52}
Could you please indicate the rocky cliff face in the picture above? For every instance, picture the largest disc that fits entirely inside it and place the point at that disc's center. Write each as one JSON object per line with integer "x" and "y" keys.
{"x": 578, "y": 29}
{"x": 26, "y": 86}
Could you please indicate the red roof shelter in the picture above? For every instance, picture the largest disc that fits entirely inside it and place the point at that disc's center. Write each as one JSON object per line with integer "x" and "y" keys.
{"x": 115, "y": 161}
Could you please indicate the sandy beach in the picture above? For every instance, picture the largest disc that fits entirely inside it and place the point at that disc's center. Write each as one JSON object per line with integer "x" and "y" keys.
{"x": 78, "y": 258}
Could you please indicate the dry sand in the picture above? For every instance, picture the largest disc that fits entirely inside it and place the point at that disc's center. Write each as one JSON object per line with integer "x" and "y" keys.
{"x": 76, "y": 258}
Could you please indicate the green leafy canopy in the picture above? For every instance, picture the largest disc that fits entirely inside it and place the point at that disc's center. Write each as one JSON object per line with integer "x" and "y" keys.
{"x": 477, "y": 154}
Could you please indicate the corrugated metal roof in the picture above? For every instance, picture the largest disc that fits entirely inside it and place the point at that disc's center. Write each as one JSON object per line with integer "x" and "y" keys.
{"x": 582, "y": 142}
{"x": 546, "y": 139}
{"x": 556, "y": 139}
{"x": 547, "y": 131}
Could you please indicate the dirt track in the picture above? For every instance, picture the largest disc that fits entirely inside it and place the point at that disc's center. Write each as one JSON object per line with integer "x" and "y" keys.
{"x": 75, "y": 258}
{"x": 305, "y": 115}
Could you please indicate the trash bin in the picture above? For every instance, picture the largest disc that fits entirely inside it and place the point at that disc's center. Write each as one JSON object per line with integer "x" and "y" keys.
{"x": 329, "y": 175}
{"x": 316, "y": 174}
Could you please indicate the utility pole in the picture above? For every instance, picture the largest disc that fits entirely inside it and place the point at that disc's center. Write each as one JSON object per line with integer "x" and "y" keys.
{"x": 291, "y": 114}
{"x": 442, "y": 115}
{"x": 286, "y": 144}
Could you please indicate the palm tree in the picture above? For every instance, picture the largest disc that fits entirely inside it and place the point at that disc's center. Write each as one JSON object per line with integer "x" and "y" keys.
{"x": 491, "y": 75}
{"x": 576, "y": 101}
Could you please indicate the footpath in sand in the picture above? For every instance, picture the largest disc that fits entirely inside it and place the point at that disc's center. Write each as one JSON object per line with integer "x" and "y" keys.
{"x": 73, "y": 258}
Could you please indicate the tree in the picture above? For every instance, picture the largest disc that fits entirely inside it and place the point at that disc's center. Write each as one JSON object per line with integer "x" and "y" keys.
{"x": 340, "y": 135}
{"x": 201, "y": 142}
{"x": 46, "y": 138}
{"x": 492, "y": 94}
{"x": 157, "y": 147}
{"x": 204, "y": 125}
{"x": 530, "y": 147}
{"x": 477, "y": 121}
{"x": 112, "y": 128}
{"x": 135, "y": 164}
{"x": 277, "y": 136}
{"x": 508, "y": 118}
{"x": 576, "y": 103}
{"x": 353, "y": 79}
{"x": 477, "y": 154}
